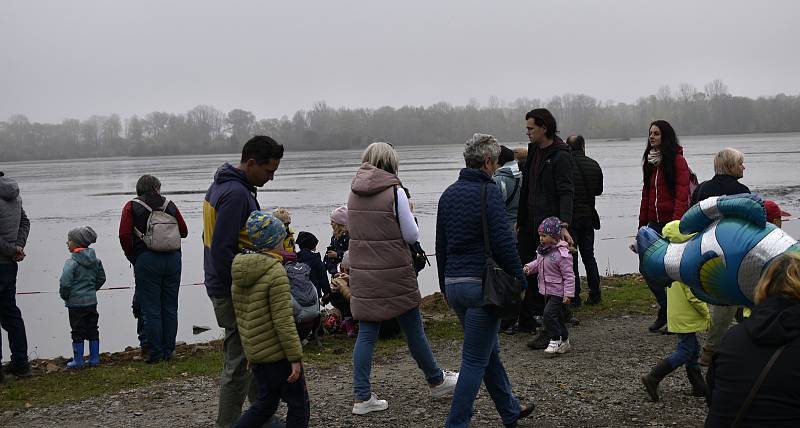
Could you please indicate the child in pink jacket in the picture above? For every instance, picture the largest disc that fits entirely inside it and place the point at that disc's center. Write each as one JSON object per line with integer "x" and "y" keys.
{"x": 556, "y": 282}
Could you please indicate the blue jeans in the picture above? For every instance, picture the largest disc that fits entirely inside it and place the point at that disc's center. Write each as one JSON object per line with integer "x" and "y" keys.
{"x": 411, "y": 323}
{"x": 687, "y": 352}
{"x": 158, "y": 279}
{"x": 480, "y": 358}
{"x": 11, "y": 317}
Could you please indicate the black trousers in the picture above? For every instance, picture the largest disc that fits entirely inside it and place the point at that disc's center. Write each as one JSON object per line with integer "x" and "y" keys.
{"x": 555, "y": 318}
{"x": 83, "y": 322}
{"x": 272, "y": 388}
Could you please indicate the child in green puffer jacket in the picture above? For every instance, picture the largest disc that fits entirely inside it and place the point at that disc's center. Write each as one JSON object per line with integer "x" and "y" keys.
{"x": 83, "y": 275}
{"x": 262, "y": 301}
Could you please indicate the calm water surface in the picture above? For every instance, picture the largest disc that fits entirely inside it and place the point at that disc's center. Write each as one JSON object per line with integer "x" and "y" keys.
{"x": 60, "y": 195}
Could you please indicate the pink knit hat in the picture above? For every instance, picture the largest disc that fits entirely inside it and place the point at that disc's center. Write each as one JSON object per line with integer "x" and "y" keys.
{"x": 551, "y": 226}
{"x": 339, "y": 215}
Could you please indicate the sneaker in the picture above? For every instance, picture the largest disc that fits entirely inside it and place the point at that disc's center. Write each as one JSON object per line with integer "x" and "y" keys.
{"x": 564, "y": 347}
{"x": 554, "y": 345}
{"x": 447, "y": 386}
{"x": 19, "y": 370}
{"x": 371, "y": 405}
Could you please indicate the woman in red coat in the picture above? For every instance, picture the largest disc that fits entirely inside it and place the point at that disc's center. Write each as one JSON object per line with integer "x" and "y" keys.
{"x": 665, "y": 194}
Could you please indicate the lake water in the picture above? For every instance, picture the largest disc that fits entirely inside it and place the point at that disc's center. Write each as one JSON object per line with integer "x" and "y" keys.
{"x": 60, "y": 195}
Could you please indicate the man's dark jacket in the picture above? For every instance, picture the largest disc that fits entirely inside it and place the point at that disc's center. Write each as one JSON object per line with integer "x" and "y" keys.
{"x": 584, "y": 167}
{"x": 553, "y": 194}
{"x": 738, "y": 361}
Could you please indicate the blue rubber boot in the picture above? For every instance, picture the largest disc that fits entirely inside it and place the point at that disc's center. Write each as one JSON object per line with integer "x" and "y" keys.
{"x": 94, "y": 353}
{"x": 77, "y": 356}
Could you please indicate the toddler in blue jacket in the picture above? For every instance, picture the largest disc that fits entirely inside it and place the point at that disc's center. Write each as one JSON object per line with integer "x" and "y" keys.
{"x": 83, "y": 275}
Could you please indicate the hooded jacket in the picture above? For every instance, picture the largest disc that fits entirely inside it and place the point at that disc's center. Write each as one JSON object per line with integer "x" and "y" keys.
{"x": 660, "y": 204}
{"x": 82, "y": 276}
{"x": 509, "y": 180}
{"x": 262, "y": 301}
{"x": 229, "y": 201}
{"x": 459, "y": 231}
{"x": 14, "y": 224}
{"x": 685, "y": 312}
{"x": 383, "y": 282}
{"x": 719, "y": 185}
{"x": 555, "y": 275}
{"x": 738, "y": 361}
{"x": 552, "y": 190}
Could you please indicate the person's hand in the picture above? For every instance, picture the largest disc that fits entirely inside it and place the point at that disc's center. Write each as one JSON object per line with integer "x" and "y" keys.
{"x": 334, "y": 287}
{"x": 19, "y": 255}
{"x": 516, "y": 228}
{"x": 567, "y": 300}
{"x": 634, "y": 248}
{"x": 331, "y": 254}
{"x": 249, "y": 367}
{"x": 526, "y": 270}
{"x": 297, "y": 368}
{"x": 566, "y": 236}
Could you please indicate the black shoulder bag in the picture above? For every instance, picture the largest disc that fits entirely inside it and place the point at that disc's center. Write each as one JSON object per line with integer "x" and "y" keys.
{"x": 502, "y": 293}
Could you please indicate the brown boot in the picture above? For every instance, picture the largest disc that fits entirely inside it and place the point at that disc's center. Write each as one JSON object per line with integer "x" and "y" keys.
{"x": 656, "y": 375}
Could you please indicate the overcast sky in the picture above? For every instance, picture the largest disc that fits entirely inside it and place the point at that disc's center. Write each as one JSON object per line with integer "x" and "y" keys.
{"x": 76, "y": 58}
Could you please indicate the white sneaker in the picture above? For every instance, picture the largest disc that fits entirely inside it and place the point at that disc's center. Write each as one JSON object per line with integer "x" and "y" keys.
{"x": 553, "y": 346}
{"x": 564, "y": 348}
{"x": 371, "y": 405}
{"x": 447, "y": 386}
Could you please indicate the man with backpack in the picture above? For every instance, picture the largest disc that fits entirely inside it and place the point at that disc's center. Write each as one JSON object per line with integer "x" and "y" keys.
{"x": 588, "y": 179}
{"x": 509, "y": 179}
{"x": 150, "y": 233}
{"x": 228, "y": 203}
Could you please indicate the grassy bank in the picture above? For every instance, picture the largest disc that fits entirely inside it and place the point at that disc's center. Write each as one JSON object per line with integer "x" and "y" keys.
{"x": 622, "y": 295}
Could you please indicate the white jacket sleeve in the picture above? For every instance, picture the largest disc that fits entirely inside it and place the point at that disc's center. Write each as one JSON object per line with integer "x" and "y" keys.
{"x": 408, "y": 227}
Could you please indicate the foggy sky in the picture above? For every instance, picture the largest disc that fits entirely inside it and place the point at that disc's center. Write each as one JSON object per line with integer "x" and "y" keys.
{"x": 76, "y": 58}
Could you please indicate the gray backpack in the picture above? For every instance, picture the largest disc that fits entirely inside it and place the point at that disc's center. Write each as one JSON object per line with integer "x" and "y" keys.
{"x": 305, "y": 300}
{"x": 162, "y": 233}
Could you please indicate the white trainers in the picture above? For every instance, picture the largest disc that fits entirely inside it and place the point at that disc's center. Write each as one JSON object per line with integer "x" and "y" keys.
{"x": 553, "y": 347}
{"x": 564, "y": 348}
{"x": 447, "y": 386}
{"x": 371, "y": 405}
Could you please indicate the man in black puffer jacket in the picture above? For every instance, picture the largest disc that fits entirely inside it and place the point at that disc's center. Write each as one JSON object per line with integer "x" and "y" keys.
{"x": 588, "y": 178}
{"x": 547, "y": 191}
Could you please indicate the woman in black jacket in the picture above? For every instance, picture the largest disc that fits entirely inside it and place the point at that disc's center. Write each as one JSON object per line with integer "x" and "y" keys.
{"x": 747, "y": 348}
{"x": 728, "y": 169}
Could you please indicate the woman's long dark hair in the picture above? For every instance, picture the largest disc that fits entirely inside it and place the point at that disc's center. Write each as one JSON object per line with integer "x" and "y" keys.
{"x": 669, "y": 150}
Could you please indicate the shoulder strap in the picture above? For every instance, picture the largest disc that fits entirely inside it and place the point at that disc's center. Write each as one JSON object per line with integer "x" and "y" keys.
{"x": 756, "y": 386}
{"x": 484, "y": 221}
{"x": 513, "y": 192}
{"x": 142, "y": 203}
{"x": 165, "y": 205}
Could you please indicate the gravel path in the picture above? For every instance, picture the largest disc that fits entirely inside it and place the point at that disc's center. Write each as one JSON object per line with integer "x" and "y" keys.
{"x": 597, "y": 384}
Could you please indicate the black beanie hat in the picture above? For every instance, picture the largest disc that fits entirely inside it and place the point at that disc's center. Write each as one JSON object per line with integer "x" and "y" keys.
{"x": 506, "y": 155}
{"x": 306, "y": 240}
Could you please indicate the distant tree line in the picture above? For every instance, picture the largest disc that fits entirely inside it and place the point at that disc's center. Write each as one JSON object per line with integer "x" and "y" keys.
{"x": 205, "y": 129}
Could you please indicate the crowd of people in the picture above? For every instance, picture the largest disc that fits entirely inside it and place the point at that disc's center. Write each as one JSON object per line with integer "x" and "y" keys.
{"x": 533, "y": 211}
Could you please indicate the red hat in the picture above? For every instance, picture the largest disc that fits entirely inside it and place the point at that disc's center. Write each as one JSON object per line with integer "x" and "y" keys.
{"x": 773, "y": 210}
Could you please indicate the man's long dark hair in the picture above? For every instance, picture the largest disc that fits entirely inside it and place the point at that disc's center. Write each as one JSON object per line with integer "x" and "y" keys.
{"x": 669, "y": 150}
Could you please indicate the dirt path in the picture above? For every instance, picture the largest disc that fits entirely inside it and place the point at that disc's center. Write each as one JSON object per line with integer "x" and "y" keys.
{"x": 597, "y": 384}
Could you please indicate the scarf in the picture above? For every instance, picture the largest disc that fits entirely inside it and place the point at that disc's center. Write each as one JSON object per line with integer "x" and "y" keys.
{"x": 654, "y": 157}
{"x": 545, "y": 249}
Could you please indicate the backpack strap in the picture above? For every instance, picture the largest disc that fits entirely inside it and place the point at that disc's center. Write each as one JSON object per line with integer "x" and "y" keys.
{"x": 142, "y": 203}
{"x": 513, "y": 192}
{"x": 756, "y": 386}
{"x": 163, "y": 207}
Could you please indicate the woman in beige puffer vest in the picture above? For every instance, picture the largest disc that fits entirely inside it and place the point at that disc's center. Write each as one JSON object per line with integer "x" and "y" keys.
{"x": 383, "y": 282}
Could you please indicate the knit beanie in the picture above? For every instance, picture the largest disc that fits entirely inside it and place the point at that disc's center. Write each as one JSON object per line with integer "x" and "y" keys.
{"x": 306, "y": 240}
{"x": 339, "y": 215}
{"x": 82, "y": 236}
{"x": 283, "y": 215}
{"x": 265, "y": 231}
{"x": 506, "y": 155}
{"x": 551, "y": 226}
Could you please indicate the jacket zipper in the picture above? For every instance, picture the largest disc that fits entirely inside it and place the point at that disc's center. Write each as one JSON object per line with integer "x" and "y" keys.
{"x": 655, "y": 184}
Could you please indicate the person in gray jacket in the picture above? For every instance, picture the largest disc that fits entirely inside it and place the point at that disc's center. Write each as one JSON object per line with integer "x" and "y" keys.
{"x": 14, "y": 229}
{"x": 509, "y": 180}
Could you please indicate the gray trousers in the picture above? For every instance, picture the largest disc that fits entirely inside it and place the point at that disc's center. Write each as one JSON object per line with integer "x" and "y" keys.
{"x": 236, "y": 381}
{"x": 721, "y": 317}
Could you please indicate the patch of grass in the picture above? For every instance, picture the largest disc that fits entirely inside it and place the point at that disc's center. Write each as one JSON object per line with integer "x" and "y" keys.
{"x": 622, "y": 295}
